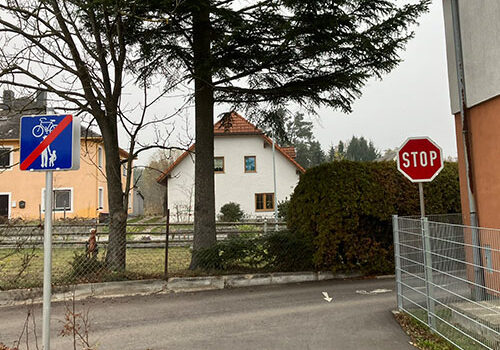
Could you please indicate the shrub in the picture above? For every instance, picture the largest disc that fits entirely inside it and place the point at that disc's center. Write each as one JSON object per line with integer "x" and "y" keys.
{"x": 279, "y": 251}
{"x": 344, "y": 208}
{"x": 283, "y": 209}
{"x": 288, "y": 251}
{"x": 84, "y": 266}
{"x": 231, "y": 212}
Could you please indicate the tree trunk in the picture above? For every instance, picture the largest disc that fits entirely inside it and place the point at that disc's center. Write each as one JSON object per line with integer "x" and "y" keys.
{"x": 116, "y": 252}
{"x": 204, "y": 195}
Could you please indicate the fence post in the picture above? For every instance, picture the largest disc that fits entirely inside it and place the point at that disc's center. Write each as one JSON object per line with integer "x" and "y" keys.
{"x": 397, "y": 260}
{"x": 167, "y": 233}
{"x": 479, "y": 291}
{"x": 265, "y": 226}
{"x": 429, "y": 285}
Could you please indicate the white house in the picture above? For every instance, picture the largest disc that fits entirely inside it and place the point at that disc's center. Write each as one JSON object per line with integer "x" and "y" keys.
{"x": 243, "y": 170}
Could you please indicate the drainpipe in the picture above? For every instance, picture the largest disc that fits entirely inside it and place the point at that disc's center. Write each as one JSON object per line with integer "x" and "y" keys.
{"x": 479, "y": 293}
{"x": 275, "y": 192}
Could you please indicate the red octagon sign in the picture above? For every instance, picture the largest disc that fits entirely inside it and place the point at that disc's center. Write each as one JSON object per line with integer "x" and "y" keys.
{"x": 420, "y": 159}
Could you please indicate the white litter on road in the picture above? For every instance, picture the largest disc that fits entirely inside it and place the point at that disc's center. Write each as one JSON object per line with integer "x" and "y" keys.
{"x": 375, "y": 291}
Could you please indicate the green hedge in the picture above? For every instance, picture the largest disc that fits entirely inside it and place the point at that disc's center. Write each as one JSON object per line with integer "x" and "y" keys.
{"x": 344, "y": 208}
{"x": 277, "y": 251}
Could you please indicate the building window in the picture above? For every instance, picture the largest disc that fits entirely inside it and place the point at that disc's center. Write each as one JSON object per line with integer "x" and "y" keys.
{"x": 219, "y": 164}
{"x": 5, "y": 157}
{"x": 124, "y": 169}
{"x": 101, "y": 198}
{"x": 264, "y": 201}
{"x": 61, "y": 201}
{"x": 99, "y": 157}
{"x": 250, "y": 164}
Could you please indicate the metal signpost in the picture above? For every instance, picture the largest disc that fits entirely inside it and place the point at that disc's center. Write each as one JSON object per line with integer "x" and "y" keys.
{"x": 420, "y": 160}
{"x": 49, "y": 143}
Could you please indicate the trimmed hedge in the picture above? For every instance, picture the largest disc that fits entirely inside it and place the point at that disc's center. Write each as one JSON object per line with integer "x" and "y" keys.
{"x": 345, "y": 209}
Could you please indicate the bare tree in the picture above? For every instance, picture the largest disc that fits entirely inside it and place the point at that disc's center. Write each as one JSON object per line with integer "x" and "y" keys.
{"x": 154, "y": 193}
{"x": 78, "y": 51}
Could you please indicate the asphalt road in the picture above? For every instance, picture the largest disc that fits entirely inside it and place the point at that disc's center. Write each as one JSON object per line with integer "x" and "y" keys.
{"x": 293, "y": 316}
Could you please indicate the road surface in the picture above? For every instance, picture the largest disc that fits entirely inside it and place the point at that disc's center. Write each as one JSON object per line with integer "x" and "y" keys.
{"x": 293, "y": 316}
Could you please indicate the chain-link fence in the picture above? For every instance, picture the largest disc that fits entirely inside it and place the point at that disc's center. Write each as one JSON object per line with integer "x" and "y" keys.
{"x": 79, "y": 256}
{"x": 448, "y": 277}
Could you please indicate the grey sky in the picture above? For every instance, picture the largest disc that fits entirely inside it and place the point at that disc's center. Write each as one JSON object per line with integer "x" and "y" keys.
{"x": 413, "y": 100}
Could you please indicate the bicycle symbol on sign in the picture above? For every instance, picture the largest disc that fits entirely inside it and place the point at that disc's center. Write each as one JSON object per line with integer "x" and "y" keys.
{"x": 44, "y": 128}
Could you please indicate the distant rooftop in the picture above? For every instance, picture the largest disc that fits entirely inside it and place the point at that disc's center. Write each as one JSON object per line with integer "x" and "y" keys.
{"x": 12, "y": 109}
{"x": 389, "y": 156}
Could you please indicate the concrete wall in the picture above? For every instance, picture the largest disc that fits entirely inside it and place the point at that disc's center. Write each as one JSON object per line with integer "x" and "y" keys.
{"x": 480, "y": 31}
{"x": 234, "y": 185}
{"x": 84, "y": 184}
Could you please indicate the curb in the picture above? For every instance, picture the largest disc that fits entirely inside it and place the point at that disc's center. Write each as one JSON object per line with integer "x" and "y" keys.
{"x": 385, "y": 277}
{"x": 174, "y": 284}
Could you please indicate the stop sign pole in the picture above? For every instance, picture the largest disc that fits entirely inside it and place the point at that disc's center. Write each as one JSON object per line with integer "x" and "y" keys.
{"x": 420, "y": 160}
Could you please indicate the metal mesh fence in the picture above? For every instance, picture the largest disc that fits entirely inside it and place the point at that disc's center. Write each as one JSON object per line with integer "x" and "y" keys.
{"x": 78, "y": 258}
{"x": 448, "y": 281}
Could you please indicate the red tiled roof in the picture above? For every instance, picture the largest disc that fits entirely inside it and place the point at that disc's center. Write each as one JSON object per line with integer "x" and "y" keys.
{"x": 236, "y": 125}
{"x": 290, "y": 151}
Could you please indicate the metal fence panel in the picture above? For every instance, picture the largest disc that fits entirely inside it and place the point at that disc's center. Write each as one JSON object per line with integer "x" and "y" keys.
{"x": 447, "y": 282}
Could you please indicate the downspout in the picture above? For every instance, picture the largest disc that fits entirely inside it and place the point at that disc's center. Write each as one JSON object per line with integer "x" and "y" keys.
{"x": 479, "y": 293}
{"x": 275, "y": 191}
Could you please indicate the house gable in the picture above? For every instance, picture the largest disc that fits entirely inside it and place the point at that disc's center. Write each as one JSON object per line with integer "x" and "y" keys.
{"x": 236, "y": 126}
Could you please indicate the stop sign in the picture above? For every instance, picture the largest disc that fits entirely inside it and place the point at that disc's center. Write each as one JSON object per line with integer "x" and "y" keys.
{"x": 420, "y": 159}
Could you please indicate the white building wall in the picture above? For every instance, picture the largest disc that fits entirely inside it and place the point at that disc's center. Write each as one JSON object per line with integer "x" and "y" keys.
{"x": 480, "y": 32}
{"x": 234, "y": 185}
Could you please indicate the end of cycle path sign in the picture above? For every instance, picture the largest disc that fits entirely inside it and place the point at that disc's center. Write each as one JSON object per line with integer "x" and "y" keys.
{"x": 50, "y": 142}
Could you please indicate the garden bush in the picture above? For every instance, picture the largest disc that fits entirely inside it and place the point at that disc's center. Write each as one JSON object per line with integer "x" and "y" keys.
{"x": 85, "y": 266}
{"x": 288, "y": 251}
{"x": 231, "y": 212}
{"x": 344, "y": 208}
{"x": 283, "y": 209}
{"x": 278, "y": 251}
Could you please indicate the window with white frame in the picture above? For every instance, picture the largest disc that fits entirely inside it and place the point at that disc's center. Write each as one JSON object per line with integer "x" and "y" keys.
{"x": 124, "y": 170}
{"x": 218, "y": 164}
{"x": 100, "y": 198}
{"x": 250, "y": 164}
{"x": 5, "y": 157}
{"x": 62, "y": 199}
{"x": 99, "y": 157}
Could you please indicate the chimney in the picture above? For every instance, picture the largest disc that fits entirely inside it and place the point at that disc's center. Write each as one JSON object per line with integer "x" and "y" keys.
{"x": 41, "y": 100}
{"x": 8, "y": 98}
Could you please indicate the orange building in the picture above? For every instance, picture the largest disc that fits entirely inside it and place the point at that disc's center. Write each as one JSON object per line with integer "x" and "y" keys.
{"x": 473, "y": 52}
{"x": 80, "y": 193}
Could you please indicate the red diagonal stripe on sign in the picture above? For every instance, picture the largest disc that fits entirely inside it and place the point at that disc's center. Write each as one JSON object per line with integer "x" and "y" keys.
{"x": 46, "y": 142}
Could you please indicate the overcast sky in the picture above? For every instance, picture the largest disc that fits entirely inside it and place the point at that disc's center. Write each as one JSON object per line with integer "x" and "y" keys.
{"x": 413, "y": 100}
